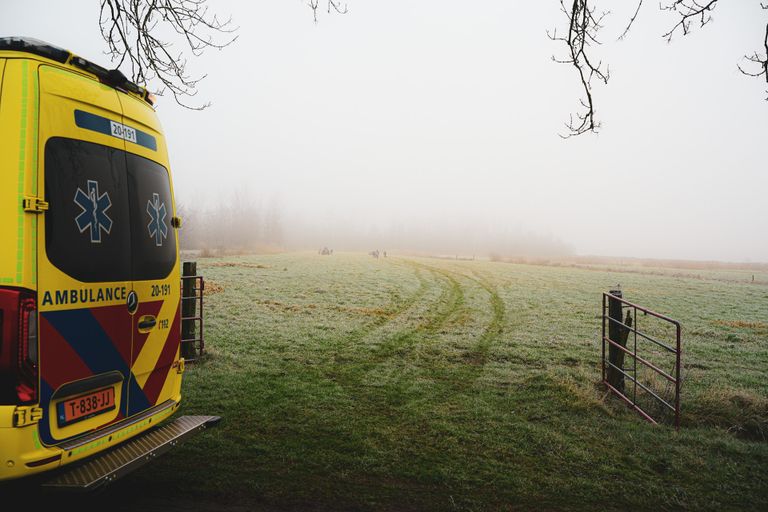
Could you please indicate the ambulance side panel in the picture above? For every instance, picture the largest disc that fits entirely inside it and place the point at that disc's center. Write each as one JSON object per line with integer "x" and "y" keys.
{"x": 18, "y": 166}
{"x": 19, "y": 107}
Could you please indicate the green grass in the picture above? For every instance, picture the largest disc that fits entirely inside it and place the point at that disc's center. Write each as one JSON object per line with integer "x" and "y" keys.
{"x": 350, "y": 383}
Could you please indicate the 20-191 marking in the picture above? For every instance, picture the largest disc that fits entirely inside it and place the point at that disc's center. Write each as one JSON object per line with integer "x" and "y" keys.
{"x": 160, "y": 290}
{"x": 122, "y": 132}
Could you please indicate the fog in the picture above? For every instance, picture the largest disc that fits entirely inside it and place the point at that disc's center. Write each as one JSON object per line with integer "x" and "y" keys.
{"x": 432, "y": 126}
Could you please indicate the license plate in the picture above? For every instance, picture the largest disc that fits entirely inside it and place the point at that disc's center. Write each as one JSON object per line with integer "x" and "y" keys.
{"x": 86, "y": 406}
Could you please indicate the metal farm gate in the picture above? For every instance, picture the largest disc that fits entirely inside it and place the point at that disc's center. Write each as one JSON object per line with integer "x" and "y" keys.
{"x": 192, "y": 288}
{"x": 642, "y": 363}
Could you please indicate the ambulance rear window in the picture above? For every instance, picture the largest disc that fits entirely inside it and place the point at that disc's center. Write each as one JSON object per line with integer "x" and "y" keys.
{"x": 109, "y": 215}
{"x": 87, "y": 234}
{"x": 153, "y": 239}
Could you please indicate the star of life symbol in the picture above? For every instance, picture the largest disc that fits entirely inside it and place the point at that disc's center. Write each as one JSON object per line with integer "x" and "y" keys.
{"x": 94, "y": 215}
{"x": 157, "y": 214}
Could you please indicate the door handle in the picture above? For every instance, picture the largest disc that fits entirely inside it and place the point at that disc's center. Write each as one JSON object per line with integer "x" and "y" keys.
{"x": 147, "y": 323}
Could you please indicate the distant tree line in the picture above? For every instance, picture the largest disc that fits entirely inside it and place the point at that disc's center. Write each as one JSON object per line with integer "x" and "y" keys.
{"x": 239, "y": 224}
{"x": 242, "y": 223}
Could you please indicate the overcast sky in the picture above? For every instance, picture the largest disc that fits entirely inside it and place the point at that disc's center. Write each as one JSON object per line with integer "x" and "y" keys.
{"x": 435, "y": 113}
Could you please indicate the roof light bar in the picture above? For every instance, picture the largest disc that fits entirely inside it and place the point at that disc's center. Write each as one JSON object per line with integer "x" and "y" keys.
{"x": 112, "y": 77}
{"x": 31, "y": 45}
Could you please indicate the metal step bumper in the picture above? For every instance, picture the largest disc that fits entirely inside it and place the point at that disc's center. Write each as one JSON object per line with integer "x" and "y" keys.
{"x": 129, "y": 456}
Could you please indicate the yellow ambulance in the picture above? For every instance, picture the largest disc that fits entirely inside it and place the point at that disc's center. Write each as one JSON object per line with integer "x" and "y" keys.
{"x": 89, "y": 268}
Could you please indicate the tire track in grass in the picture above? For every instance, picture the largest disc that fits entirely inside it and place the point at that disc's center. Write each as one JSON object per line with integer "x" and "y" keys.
{"x": 463, "y": 377}
{"x": 509, "y": 322}
{"x": 478, "y": 355}
{"x": 345, "y": 352}
{"x": 389, "y": 389}
{"x": 397, "y": 311}
{"x": 393, "y": 313}
{"x": 454, "y": 300}
{"x": 495, "y": 327}
{"x": 403, "y": 342}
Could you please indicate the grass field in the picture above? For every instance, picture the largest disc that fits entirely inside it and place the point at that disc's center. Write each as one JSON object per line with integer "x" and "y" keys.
{"x": 351, "y": 383}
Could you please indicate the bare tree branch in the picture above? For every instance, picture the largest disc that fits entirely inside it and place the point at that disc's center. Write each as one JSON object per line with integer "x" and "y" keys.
{"x": 132, "y": 31}
{"x": 584, "y": 24}
{"x": 697, "y": 10}
{"x": 689, "y": 10}
{"x": 756, "y": 58}
{"x": 332, "y": 5}
{"x": 140, "y": 34}
{"x": 583, "y": 27}
{"x": 631, "y": 21}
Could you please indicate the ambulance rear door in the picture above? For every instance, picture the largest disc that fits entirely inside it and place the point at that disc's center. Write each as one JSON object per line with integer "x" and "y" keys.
{"x": 155, "y": 266}
{"x": 84, "y": 253}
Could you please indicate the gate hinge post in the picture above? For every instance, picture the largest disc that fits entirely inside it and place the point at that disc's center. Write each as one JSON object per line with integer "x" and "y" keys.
{"x": 34, "y": 204}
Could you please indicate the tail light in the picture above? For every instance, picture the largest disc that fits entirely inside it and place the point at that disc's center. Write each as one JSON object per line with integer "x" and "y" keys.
{"x": 18, "y": 347}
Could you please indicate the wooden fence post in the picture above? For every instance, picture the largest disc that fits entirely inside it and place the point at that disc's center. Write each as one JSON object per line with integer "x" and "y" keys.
{"x": 188, "y": 310}
{"x": 615, "y": 334}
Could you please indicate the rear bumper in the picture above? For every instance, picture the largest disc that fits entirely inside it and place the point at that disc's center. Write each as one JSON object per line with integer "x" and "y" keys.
{"x": 22, "y": 454}
{"x": 110, "y": 465}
